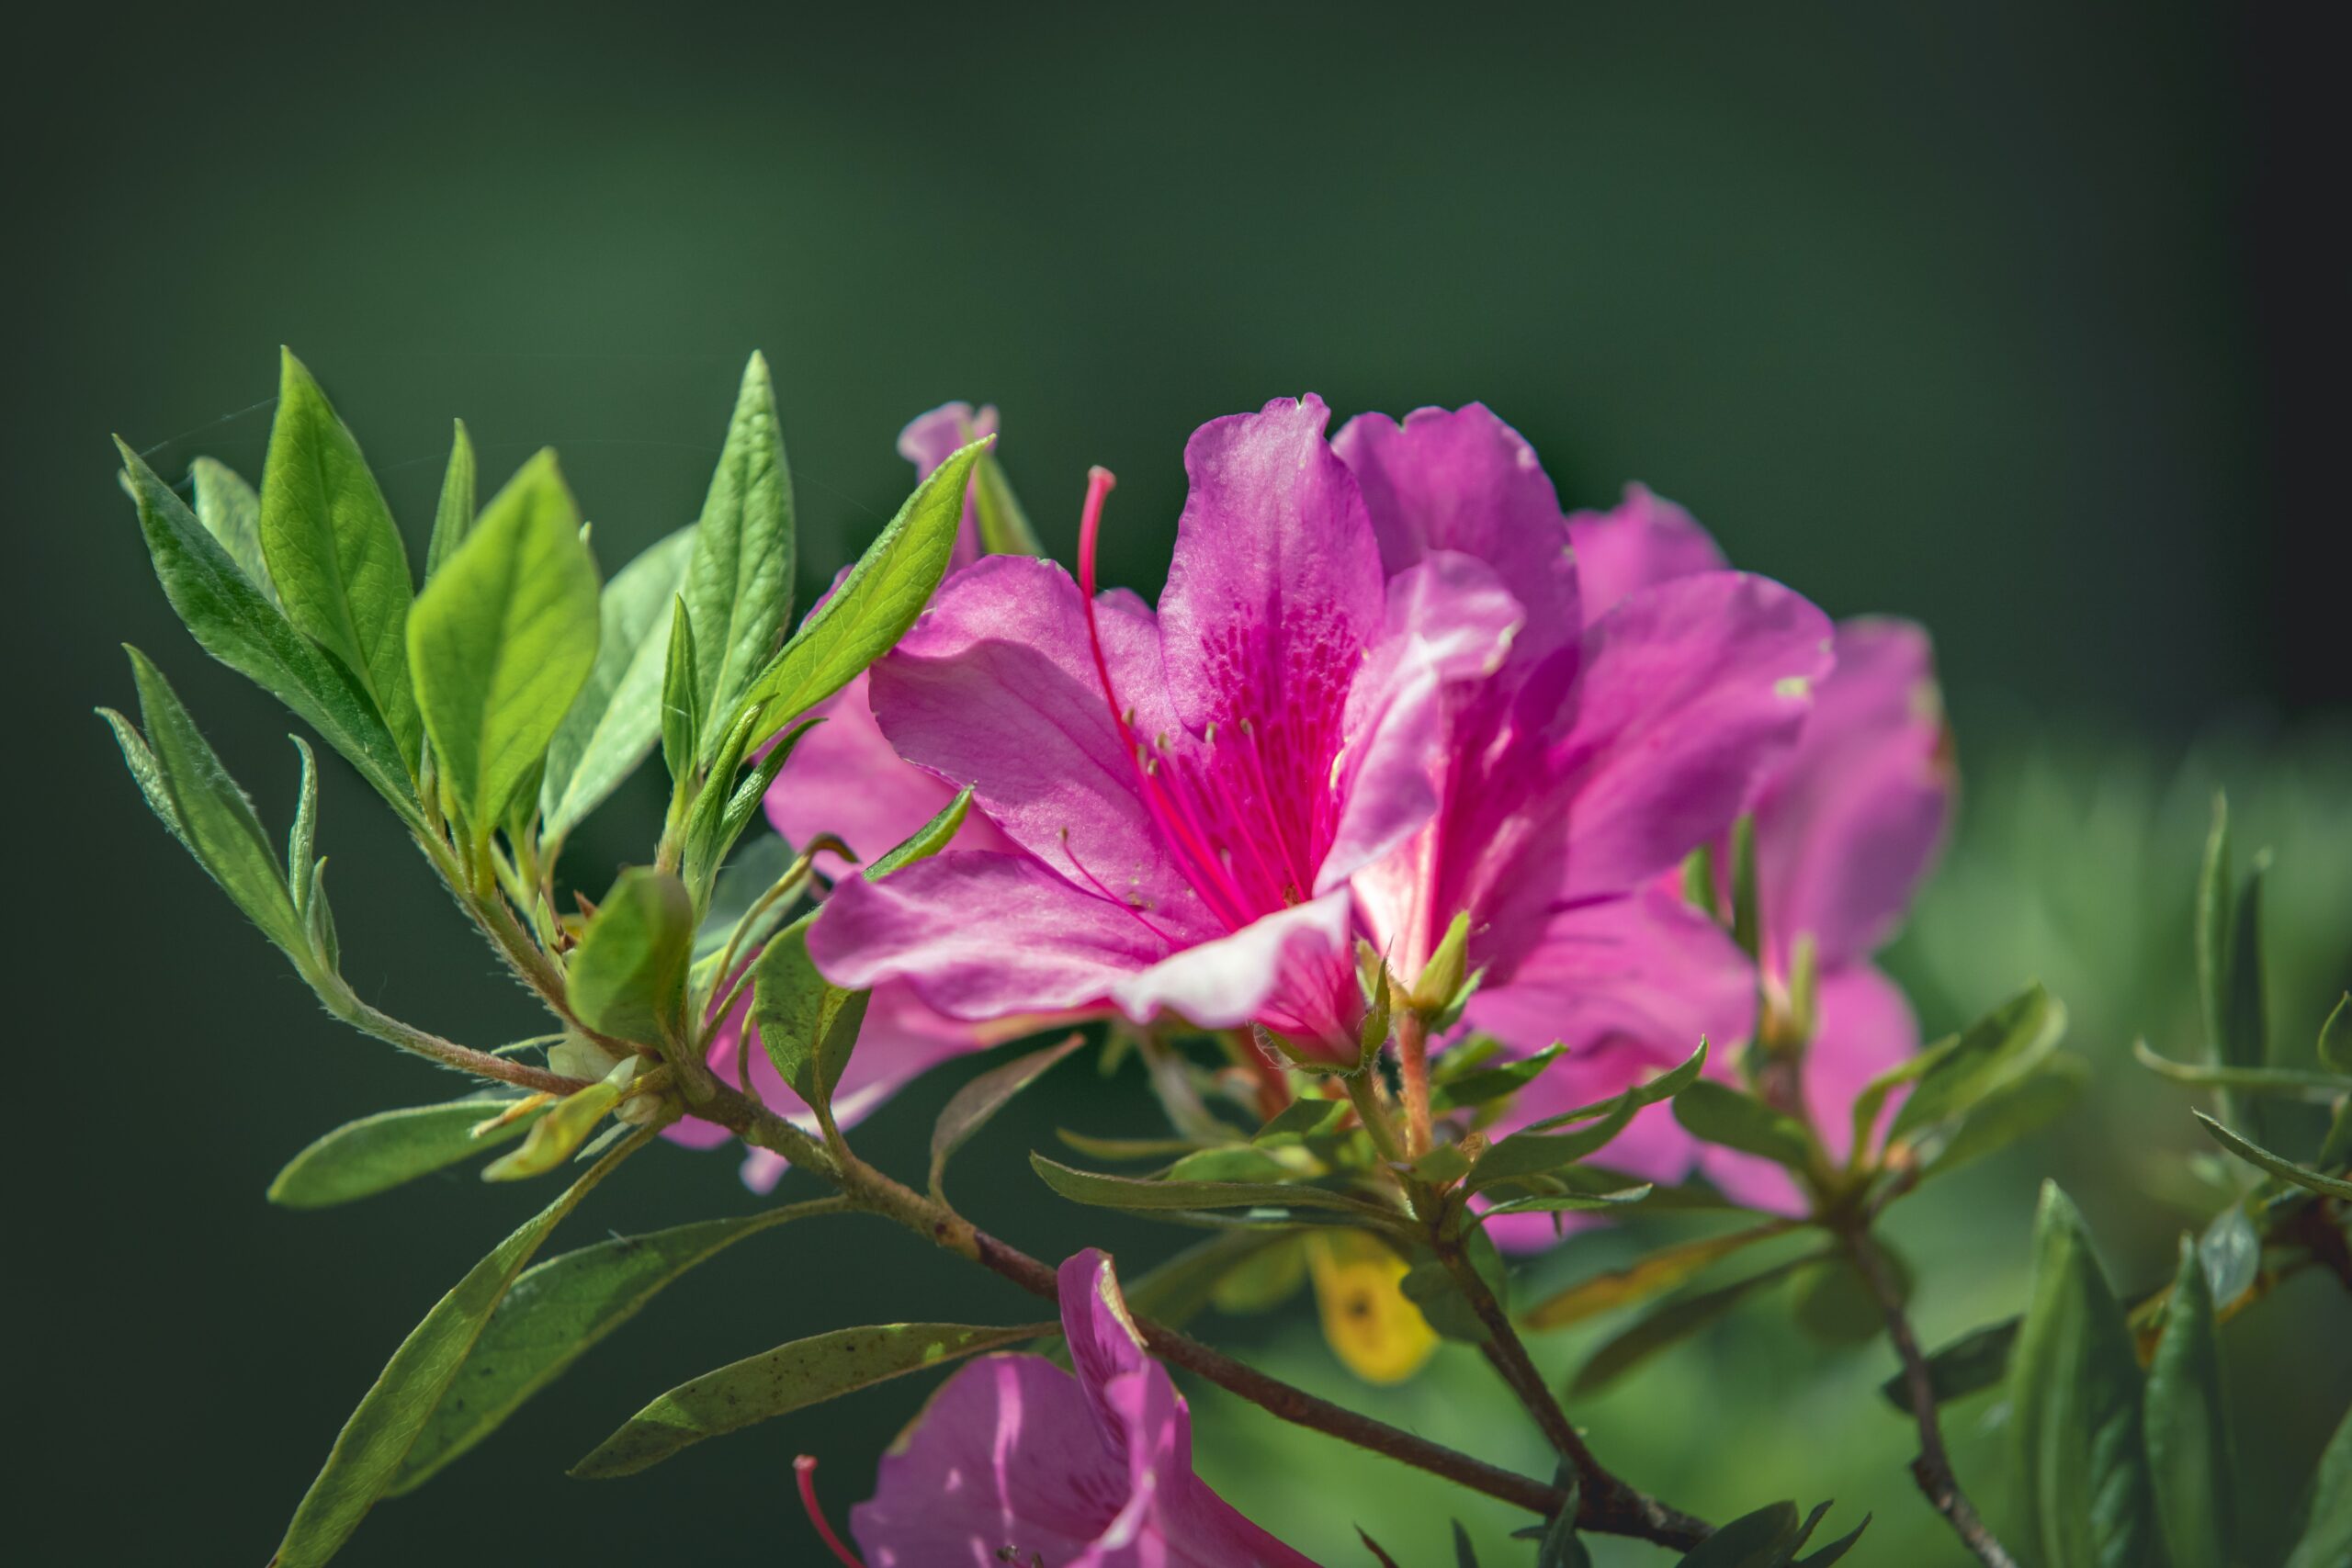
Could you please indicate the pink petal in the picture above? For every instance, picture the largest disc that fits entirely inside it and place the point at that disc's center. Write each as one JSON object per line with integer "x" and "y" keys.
{"x": 1463, "y": 481}
{"x": 929, "y": 440}
{"x": 844, "y": 778}
{"x": 981, "y": 936}
{"x": 1643, "y": 541}
{"x": 1291, "y": 971}
{"x": 1849, "y": 825}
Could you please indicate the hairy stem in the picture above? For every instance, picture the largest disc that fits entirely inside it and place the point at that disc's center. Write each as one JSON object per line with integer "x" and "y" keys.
{"x": 1932, "y": 1469}
{"x": 347, "y": 1007}
{"x": 870, "y": 1189}
{"x": 1413, "y": 1078}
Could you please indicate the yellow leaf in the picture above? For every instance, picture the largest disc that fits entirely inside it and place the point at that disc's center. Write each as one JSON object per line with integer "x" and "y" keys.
{"x": 1374, "y": 1331}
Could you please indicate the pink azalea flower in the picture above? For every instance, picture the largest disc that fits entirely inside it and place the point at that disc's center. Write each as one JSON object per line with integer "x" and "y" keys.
{"x": 1016, "y": 1461}
{"x": 1371, "y": 699}
{"x": 844, "y": 779}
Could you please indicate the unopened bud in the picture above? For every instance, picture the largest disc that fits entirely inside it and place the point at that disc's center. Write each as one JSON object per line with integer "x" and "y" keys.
{"x": 1442, "y": 977}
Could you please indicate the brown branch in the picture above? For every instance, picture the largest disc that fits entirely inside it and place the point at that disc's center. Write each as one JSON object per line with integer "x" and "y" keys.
{"x": 1932, "y": 1469}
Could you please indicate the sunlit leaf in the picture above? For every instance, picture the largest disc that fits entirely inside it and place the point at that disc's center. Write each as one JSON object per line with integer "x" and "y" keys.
{"x": 616, "y": 720}
{"x": 378, "y": 1153}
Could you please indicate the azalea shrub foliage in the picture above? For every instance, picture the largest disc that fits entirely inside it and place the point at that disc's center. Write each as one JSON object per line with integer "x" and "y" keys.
{"x": 1463, "y": 871}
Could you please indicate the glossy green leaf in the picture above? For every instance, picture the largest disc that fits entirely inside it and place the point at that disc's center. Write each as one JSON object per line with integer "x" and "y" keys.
{"x": 789, "y": 1378}
{"x": 453, "y": 516}
{"x": 1716, "y": 1113}
{"x": 2326, "y": 1540}
{"x": 682, "y": 714}
{"x": 502, "y": 642}
{"x": 208, "y": 812}
{"x": 2189, "y": 1438}
{"x": 378, "y": 1153}
{"x": 1647, "y": 1277}
{"x": 1672, "y": 1322}
{"x": 1977, "y": 1360}
{"x": 873, "y": 607}
{"x": 2276, "y": 1164}
{"x": 1141, "y": 1195}
{"x": 333, "y": 551}
{"x": 1524, "y": 1155}
{"x": 373, "y": 1444}
{"x": 807, "y": 1026}
{"x": 1487, "y": 1083}
{"x": 553, "y": 1315}
{"x": 233, "y": 621}
{"x": 1996, "y": 1050}
{"x": 230, "y": 510}
{"x": 627, "y": 978}
{"x": 1663, "y": 1086}
{"x": 2082, "y": 1497}
{"x": 971, "y": 1107}
{"x": 614, "y": 722}
{"x": 738, "y": 585}
{"x": 1232, "y": 1162}
{"x": 1004, "y": 526}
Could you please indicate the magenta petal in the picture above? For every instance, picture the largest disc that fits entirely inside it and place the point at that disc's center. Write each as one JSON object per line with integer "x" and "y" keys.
{"x": 1463, "y": 480}
{"x": 996, "y": 687}
{"x": 1688, "y": 691}
{"x": 929, "y": 440}
{"x": 980, "y": 936}
{"x": 1291, "y": 970}
{"x": 1104, "y": 1343}
{"x": 1643, "y": 541}
{"x": 1849, "y": 823}
{"x": 1274, "y": 591}
{"x": 844, "y": 778}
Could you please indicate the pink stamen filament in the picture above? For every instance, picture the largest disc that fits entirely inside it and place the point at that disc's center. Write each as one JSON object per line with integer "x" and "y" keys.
{"x": 804, "y": 1469}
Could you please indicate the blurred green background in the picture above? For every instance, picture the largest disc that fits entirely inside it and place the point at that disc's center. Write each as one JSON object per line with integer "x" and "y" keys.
{"x": 1997, "y": 315}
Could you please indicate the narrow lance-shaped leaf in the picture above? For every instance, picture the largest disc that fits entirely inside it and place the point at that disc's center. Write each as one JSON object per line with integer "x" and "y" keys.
{"x": 1004, "y": 526}
{"x": 556, "y": 1136}
{"x": 503, "y": 640}
{"x": 1998, "y": 1049}
{"x": 739, "y": 584}
{"x": 1715, "y": 1113}
{"x": 233, "y": 622}
{"x": 789, "y": 1378}
{"x": 211, "y": 814}
{"x": 1671, "y": 1322}
{"x": 368, "y": 1453}
{"x": 1648, "y": 1276}
{"x": 616, "y": 719}
{"x": 2083, "y": 1498}
{"x": 333, "y": 548}
{"x": 302, "y": 839}
{"x": 2014, "y": 1110}
{"x": 2189, "y": 1438}
{"x": 1975, "y": 1362}
{"x": 1148, "y": 1196}
{"x": 681, "y": 710}
{"x": 2294, "y": 1083}
{"x": 2335, "y": 1037}
{"x": 982, "y": 1098}
{"x": 378, "y": 1153}
{"x": 453, "y": 516}
{"x": 2326, "y": 1539}
{"x": 875, "y": 605}
{"x": 230, "y": 510}
{"x": 2245, "y": 1043}
{"x": 554, "y": 1313}
{"x": 627, "y": 978}
{"x": 2276, "y": 1164}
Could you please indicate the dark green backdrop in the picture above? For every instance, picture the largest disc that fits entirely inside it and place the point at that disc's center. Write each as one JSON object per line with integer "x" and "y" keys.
{"x": 1983, "y": 313}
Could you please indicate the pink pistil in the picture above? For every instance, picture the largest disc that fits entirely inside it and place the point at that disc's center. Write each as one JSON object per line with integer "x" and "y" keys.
{"x": 804, "y": 1469}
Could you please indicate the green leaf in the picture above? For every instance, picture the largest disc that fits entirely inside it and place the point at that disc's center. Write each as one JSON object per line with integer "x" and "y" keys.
{"x": 503, "y": 640}
{"x": 1977, "y": 1360}
{"x": 681, "y": 714}
{"x": 231, "y": 512}
{"x": 1567, "y": 1202}
{"x": 2326, "y": 1539}
{"x": 1664, "y": 1085}
{"x": 1523, "y": 1154}
{"x": 1996, "y": 1050}
{"x": 210, "y": 813}
{"x": 2232, "y": 1253}
{"x": 875, "y": 605}
{"x": 616, "y": 720}
{"x": 1299, "y": 1120}
{"x": 2335, "y": 1037}
{"x": 2296, "y": 1083}
{"x": 558, "y": 1134}
{"x": 739, "y": 585}
{"x": 807, "y": 1026}
{"x": 378, "y": 1153}
{"x": 1715, "y": 1113}
{"x": 1232, "y": 1162}
{"x": 2189, "y": 1438}
{"x": 760, "y": 866}
{"x": 2276, "y": 1164}
{"x": 1178, "y": 1290}
{"x": 1647, "y": 1277}
{"x": 1760, "y": 1540}
{"x": 2214, "y": 929}
{"x": 1430, "y": 1286}
{"x": 1671, "y": 1322}
{"x": 727, "y": 804}
{"x": 627, "y": 979}
{"x": 453, "y": 517}
{"x": 1144, "y": 1196}
{"x": 555, "y": 1312}
{"x": 1747, "y": 918}
{"x": 233, "y": 621}
{"x": 1004, "y": 526}
{"x": 2246, "y": 1043}
{"x": 369, "y": 1450}
{"x": 1835, "y": 1304}
{"x": 982, "y": 1098}
{"x": 333, "y": 551}
{"x": 789, "y": 1378}
{"x": 2013, "y": 1111}
{"x": 2083, "y": 1497}
{"x": 1492, "y": 1083}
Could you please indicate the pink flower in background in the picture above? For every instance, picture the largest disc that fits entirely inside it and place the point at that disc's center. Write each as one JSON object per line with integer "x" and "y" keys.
{"x": 1015, "y": 1461}
{"x": 1188, "y": 793}
{"x": 844, "y": 779}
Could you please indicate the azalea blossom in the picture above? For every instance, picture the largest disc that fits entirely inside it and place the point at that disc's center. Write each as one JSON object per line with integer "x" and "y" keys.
{"x": 1015, "y": 1461}
{"x": 1371, "y": 700}
{"x": 843, "y": 779}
